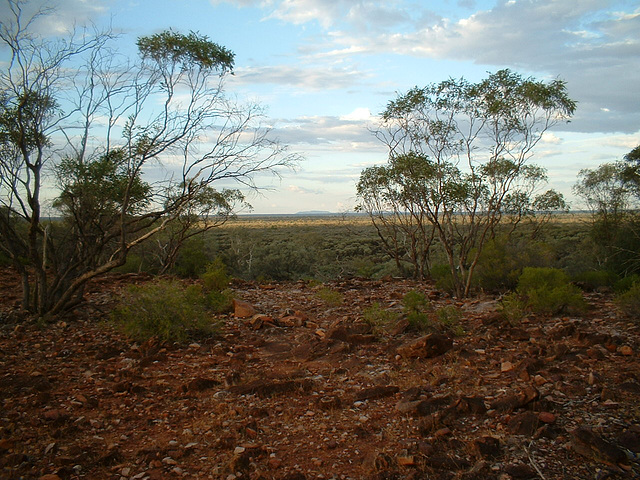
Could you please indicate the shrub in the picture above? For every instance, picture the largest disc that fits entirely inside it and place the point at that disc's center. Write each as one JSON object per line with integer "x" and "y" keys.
{"x": 595, "y": 279}
{"x": 166, "y": 310}
{"x": 215, "y": 278}
{"x": 378, "y": 317}
{"x": 626, "y": 283}
{"x": 629, "y": 301}
{"x": 449, "y": 317}
{"x": 416, "y": 307}
{"x": 441, "y": 274}
{"x": 512, "y": 308}
{"x": 192, "y": 258}
{"x": 330, "y": 296}
{"x": 503, "y": 259}
{"x": 549, "y": 291}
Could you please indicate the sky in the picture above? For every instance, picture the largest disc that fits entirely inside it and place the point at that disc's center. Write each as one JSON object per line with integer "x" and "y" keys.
{"x": 325, "y": 69}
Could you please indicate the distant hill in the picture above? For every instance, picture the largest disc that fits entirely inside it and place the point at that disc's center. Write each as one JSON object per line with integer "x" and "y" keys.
{"x": 314, "y": 212}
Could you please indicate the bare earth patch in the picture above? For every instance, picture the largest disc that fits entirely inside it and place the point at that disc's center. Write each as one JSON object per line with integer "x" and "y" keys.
{"x": 307, "y": 390}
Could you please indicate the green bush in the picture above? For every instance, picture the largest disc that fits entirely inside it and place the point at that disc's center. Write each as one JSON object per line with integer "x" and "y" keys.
{"x": 629, "y": 301}
{"x": 503, "y": 259}
{"x": 215, "y": 277}
{"x": 330, "y": 296}
{"x": 378, "y": 317}
{"x": 512, "y": 308}
{"x": 549, "y": 291}
{"x": 417, "y": 308}
{"x": 441, "y": 274}
{"x": 595, "y": 279}
{"x": 192, "y": 258}
{"x": 449, "y": 317}
{"x": 165, "y": 309}
{"x": 626, "y": 283}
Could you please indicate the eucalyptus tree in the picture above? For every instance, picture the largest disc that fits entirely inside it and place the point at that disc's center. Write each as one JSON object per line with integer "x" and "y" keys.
{"x": 126, "y": 147}
{"x": 475, "y": 141}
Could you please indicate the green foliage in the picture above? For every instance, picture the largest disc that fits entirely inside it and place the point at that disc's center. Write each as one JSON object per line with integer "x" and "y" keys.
{"x": 441, "y": 274}
{"x": 164, "y": 309}
{"x": 596, "y": 279}
{"x": 503, "y": 258}
{"x": 626, "y": 283}
{"x": 512, "y": 308}
{"x": 192, "y": 258}
{"x": 378, "y": 317}
{"x": 629, "y": 301}
{"x": 215, "y": 277}
{"x": 330, "y": 296}
{"x": 187, "y": 50}
{"x": 215, "y": 281}
{"x": 417, "y": 309}
{"x": 430, "y": 199}
{"x": 549, "y": 291}
{"x": 449, "y": 317}
{"x": 220, "y": 301}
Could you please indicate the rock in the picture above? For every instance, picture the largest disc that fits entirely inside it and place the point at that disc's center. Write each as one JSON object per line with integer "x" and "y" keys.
{"x": 376, "y": 392}
{"x": 243, "y": 309}
{"x": 406, "y": 460}
{"x": 429, "y": 346}
{"x": 520, "y": 471}
{"x": 513, "y": 401}
{"x": 329, "y": 402}
{"x": 631, "y": 439}
{"x": 594, "y": 447}
{"x": 266, "y": 388}
{"x": 486, "y": 447}
{"x": 625, "y": 350}
{"x": 470, "y": 405}
{"x": 506, "y": 367}
{"x": 49, "y": 476}
{"x": 547, "y": 417}
{"x": 200, "y": 384}
{"x": 525, "y": 423}
{"x": 400, "y": 327}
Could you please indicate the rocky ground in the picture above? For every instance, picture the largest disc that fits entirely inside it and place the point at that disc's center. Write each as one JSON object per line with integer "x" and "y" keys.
{"x": 301, "y": 389}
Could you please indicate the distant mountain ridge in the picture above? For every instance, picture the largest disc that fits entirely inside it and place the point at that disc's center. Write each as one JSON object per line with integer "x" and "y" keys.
{"x": 314, "y": 212}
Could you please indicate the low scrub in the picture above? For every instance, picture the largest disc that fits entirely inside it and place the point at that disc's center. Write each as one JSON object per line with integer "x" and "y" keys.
{"x": 549, "y": 291}
{"x": 629, "y": 301}
{"x": 417, "y": 309}
{"x": 165, "y": 309}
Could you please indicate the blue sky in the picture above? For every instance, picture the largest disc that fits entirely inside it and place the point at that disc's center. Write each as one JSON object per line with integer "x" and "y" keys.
{"x": 324, "y": 69}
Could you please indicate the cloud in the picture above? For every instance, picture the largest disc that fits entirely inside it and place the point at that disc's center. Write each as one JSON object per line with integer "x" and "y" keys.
{"x": 304, "y": 191}
{"x": 596, "y": 51}
{"x": 336, "y": 134}
{"x": 307, "y": 78}
{"x": 60, "y": 18}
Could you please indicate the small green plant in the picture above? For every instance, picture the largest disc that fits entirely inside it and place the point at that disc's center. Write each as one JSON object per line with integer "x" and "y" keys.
{"x": 512, "y": 308}
{"x": 549, "y": 291}
{"x": 215, "y": 277}
{"x": 330, "y": 296}
{"x": 378, "y": 317}
{"x": 417, "y": 308}
{"x": 165, "y": 309}
{"x": 449, "y": 317}
{"x": 629, "y": 301}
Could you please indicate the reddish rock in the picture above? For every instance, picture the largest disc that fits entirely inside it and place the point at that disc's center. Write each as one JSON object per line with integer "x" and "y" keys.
{"x": 525, "y": 423}
{"x": 486, "y": 447}
{"x": 547, "y": 417}
{"x": 243, "y": 309}
{"x": 594, "y": 447}
{"x": 429, "y": 346}
{"x": 376, "y": 392}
